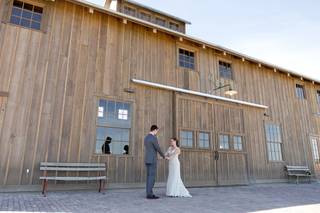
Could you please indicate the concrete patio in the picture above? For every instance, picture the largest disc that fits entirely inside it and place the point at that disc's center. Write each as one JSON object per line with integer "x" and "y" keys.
{"x": 256, "y": 198}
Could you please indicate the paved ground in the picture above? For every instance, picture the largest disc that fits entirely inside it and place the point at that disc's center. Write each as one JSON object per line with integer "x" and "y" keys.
{"x": 258, "y": 198}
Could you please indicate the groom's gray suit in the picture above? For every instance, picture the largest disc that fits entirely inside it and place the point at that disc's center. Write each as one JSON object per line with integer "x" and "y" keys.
{"x": 151, "y": 147}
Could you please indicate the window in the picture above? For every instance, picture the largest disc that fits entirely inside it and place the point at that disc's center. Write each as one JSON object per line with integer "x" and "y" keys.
{"x": 186, "y": 139}
{"x": 225, "y": 70}
{"x": 129, "y": 11}
{"x": 113, "y": 127}
{"x": 274, "y": 142}
{"x": 315, "y": 151}
{"x": 186, "y": 59}
{"x": 300, "y": 92}
{"x": 223, "y": 141}
{"x": 145, "y": 16}
{"x": 204, "y": 141}
{"x": 318, "y": 100}
{"x": 237, "y": 143}
{"x": 160, "y": 21}
{"x": 26, "y": 15}
{"x": 174, "y": 26}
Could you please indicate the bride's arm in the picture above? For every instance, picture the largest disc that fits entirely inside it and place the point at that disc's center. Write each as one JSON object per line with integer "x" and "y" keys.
{"x": 167, "y": 153}
{"x": 175, "y": 153}
{"x": 178, "y": 151}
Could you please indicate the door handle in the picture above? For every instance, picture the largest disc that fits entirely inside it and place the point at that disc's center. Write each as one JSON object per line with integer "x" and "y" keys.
{"x": 216, "y": 155}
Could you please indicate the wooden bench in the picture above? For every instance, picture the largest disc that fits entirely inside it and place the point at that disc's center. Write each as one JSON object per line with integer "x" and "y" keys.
{"x": 56, "y": 168}
{"x": 298, "y": 171}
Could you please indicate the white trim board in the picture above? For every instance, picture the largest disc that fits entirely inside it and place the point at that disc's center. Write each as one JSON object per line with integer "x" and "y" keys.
{"x": 191, "y": 92}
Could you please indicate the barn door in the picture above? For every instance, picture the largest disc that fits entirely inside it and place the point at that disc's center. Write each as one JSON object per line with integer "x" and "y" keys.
{"x": 3, "y": 102}
{"x": 315, "y": 147}
{"x": 231, "y": 167}
{"x": 230, "y": 149}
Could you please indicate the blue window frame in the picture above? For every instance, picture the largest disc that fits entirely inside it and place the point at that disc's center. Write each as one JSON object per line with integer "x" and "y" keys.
{"x": 113, "y": 127}
{"x": 26, "y": 15}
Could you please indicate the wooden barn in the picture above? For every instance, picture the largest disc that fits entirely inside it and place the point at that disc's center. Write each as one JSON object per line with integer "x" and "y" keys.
{"x": 73, "y": 74}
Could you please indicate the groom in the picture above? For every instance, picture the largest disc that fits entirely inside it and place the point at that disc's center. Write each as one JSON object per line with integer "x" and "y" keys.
{"x": 151, "y": 146}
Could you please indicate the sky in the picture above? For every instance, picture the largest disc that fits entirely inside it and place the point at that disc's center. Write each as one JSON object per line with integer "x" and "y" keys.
{"x": 282, "y": 32}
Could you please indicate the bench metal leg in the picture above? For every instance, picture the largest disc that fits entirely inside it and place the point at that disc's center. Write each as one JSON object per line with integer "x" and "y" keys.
{"x": 100, "y": 184}
{"x": 45, "y": 188}
{"x": 103, "y": 185}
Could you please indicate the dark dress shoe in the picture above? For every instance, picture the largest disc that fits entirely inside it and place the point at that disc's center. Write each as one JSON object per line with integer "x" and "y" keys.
{"x": 152, "y": 197}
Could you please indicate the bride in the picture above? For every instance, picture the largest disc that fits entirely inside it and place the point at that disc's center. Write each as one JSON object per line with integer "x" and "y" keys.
{"x": 175, "y": 186}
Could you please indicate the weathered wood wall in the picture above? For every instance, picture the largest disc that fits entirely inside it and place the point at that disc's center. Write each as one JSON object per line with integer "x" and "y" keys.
{"x": 55, "y": 78}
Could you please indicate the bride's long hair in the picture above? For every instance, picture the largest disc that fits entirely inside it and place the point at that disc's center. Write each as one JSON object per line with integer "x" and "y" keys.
{"x": 176, "y": 140}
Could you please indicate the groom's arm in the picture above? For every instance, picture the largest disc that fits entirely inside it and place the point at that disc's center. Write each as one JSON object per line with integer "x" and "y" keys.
{"x": 157, "y": 147}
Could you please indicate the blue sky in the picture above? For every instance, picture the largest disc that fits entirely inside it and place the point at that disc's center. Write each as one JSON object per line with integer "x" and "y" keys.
{"x": 282, "y": 32}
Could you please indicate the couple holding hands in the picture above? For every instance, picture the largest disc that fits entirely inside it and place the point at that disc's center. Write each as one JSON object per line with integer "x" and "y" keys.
{"x": 175, "y": 186}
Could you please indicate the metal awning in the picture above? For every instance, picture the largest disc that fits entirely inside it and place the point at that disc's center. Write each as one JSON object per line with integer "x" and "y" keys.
{"x": 192, "y": 92}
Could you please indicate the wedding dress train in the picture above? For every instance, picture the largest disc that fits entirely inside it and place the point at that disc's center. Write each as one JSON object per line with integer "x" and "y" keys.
{"x": 175, "y": 186}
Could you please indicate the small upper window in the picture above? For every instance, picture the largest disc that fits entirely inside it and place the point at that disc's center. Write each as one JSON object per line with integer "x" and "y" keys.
{"x": 26, "y": 15}
{"x": 225, "y": 70}
{"x": 145, "y": 16}
{"x": 186, "y": 139}
{"x": 204, "y": 141}
{"x": 186, "y": 59}
{"x": 224, "y": 141}
{"x": 160, "y": 21}
{"x": 237, "y": 143}
{"x": 318, "y": 96}
{"x": 129, "y": 11}
{"x": 300, "y": 92}
{"x": 174, "y": 26}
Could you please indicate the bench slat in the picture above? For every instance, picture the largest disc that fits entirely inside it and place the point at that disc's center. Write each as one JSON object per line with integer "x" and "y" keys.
{"x": 74, "y": 178}
{"x": 302, "y": 175}
{"x": 72, "y": 169}
{"x": 48, "y": 164}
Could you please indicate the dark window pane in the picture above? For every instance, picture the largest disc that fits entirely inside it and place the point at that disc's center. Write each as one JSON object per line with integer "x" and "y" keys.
{"x": 38, "y": 9}
{"x": 15, "y": 20}
{"x": 28, "y": 7}
{"x": 35, "y": 25}
{"x": 25, "y": 23}
{"x": 17, "y": 4}
{"x": 16, "y": 11}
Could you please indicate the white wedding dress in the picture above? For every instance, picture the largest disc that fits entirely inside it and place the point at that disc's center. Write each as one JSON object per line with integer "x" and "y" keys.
{"x": 175, "y": 186}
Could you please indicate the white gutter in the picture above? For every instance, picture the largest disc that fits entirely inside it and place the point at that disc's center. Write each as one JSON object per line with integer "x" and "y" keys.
{"x": 191, "y": 92}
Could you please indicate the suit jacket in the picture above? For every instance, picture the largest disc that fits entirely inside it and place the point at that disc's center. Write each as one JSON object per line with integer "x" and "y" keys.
{"x": 151, "y": 147}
